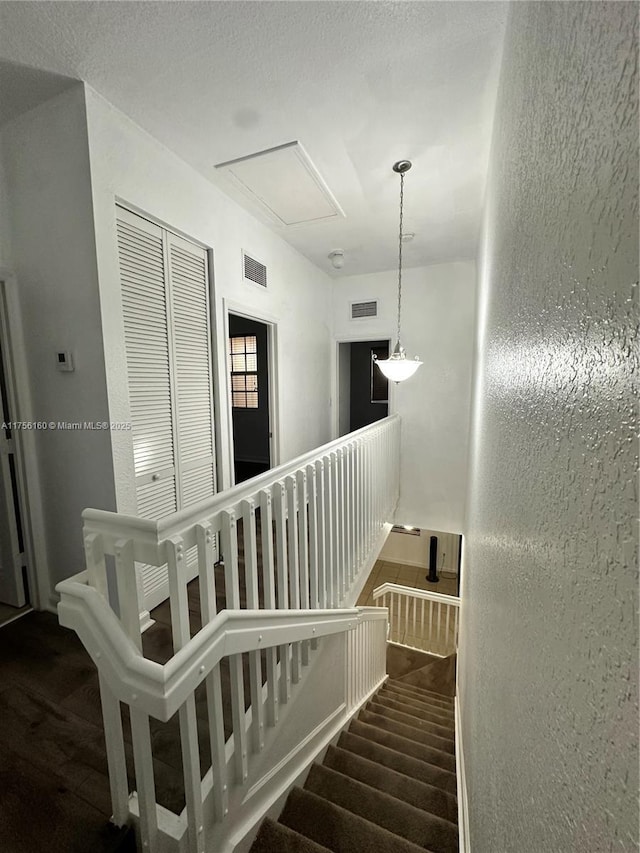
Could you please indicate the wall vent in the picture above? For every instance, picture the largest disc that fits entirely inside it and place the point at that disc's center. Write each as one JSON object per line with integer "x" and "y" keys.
{"x": 254, "y": 271}
{"x": 360, "y": 310}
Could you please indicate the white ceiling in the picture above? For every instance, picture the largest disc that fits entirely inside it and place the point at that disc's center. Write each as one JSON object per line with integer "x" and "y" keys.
{"x": 359, "y": 84}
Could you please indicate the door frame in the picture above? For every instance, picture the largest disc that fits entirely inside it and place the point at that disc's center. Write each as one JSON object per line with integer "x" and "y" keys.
{"x": 335, "y": 373}
{"x": 25, "y": 450}
{"x": 250, "y": 313}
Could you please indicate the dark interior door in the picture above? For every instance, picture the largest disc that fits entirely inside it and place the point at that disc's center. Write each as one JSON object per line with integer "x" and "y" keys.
{"x": 249, "y": 357}
{"x": 369, "y": 388}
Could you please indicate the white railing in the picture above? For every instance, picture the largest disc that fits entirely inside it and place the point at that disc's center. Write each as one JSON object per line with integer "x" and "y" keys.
{"x": 420, "y": 619}
{"x": 309, "y": 532}
{"x": 366, "y": 655}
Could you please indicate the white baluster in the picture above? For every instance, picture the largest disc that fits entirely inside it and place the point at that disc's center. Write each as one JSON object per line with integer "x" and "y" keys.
{"x": 294, "y": 568}
{"x": 229, "y": 535}
{"x": 205, "y": 539}
{"x": 96, "y": 568}
{"x": 336, "y": 581}
{"x": 128, "y": 604}
{"x": 430, "y": 642}
{"x": 455, "y": 628}
{"x": 279, "y": 510}
{"x": 145, "y": 783}
{"x": 116, "y": 758}
{"x": 446, "y": 629}
{"x": 341, "y": 526}
{"x": 322, "y": 535}
{"x": 303, "y": 554}
{"x": 438, "y": 633}
{"x": 268, "y": 579}
{"x": 329, "y": 530}
{"x": 253, "y": 603}
{"x": 176, "y": 562}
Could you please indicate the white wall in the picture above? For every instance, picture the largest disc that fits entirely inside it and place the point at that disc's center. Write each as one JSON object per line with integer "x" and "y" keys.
{"x": 438, "y": 304}
{"x": 548, "y": 661}
{"x": 47, "y": 170}
{"x": 129, "y": 165}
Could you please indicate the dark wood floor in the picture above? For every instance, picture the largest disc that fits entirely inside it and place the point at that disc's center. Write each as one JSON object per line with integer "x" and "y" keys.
{"x": 54, "y": 790}
{"x": 54, "y": 786}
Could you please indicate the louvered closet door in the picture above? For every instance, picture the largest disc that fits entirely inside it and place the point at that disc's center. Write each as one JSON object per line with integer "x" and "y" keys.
{"x": 165, "y": 297}
{"x": 191, "y": 333}
{"x": 144, "y": 306}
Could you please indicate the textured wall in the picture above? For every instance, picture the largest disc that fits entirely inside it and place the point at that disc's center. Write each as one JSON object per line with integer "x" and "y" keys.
{"x": 549, "y": 654}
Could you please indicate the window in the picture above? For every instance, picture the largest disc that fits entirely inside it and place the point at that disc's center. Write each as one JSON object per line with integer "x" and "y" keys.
{"x": 243, "y": 356}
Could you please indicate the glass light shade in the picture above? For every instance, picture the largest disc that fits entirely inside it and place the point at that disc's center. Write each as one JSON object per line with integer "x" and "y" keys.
{"x": 398, "y": 367}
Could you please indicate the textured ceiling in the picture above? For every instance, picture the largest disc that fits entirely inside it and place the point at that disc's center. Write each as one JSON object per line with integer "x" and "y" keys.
{"x": 360, "y": 84}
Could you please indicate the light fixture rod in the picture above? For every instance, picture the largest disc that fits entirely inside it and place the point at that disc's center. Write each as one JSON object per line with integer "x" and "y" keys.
{"x": 400, "y": 167}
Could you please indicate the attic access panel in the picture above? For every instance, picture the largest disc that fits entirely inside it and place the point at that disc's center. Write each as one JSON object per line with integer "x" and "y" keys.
{"x": 285, "y": 184}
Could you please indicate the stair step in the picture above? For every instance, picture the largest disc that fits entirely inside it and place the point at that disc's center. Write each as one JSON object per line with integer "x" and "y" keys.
{"x": 274, "y": 837}
{"x": 415, "y": 700}
{"x": 379, "y": 705}
{"x": 338, "y": 829}
{"x": 413, "y": 733}
{"x": 389, "y": 812}
{"x": 402, "y": 744}
{"x": 421, "y": 692}
{"x": 398, "y": 784}
{"x": 402, "y": 762}
{"x": 434, "y": 711}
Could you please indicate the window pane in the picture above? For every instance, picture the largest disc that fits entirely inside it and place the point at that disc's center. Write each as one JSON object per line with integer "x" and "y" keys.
{"x": 239, "y": 400}
{"x": 237, "y": 344}
{"x": 251, "y": 343}
{"x": 252, "y": 361}
{"x": 238, "y": 382}
{"x": 252, "y": 399}
{"x": 251, "y": 382}
{"x": 238, "y": 364}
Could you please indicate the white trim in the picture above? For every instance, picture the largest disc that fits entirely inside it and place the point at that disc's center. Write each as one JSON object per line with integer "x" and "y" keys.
{"x": 461, "y": 781}
{"x": 29, "y": 491}
{"x": 271, "y": 322}
{"x": 335, "y": 372}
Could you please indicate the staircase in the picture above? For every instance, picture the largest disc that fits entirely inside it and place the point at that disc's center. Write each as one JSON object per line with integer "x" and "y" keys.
{"x": 389, "y": 785}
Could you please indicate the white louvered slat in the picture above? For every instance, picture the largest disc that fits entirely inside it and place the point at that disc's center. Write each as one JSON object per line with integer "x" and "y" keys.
{"x": 189, "y": 288}
{"x": 141, "y": 257}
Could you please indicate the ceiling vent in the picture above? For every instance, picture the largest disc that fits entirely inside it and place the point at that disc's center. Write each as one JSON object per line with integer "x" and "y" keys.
{"x": 362, "y": 310}
{"x": 253, "y": 270}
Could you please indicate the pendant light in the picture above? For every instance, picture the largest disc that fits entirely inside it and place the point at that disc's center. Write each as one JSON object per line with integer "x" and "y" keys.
{"x": 398, "y": 367}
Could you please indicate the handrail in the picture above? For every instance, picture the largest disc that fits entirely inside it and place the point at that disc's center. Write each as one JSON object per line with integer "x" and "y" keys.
{"x": 427, "y": 594}
{"x": 173, "y": 525}
{"x": 160, "y": 689}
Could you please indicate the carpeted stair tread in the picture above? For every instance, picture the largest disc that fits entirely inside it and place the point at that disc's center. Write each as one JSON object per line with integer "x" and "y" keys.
{"x": 402, "y": 744}
{"x": 338, "y": 829}
{"x": 406, "y": 763}
{"x": 419, "y": 794}
{"x": 424, "y": 829}
{"x": 379, "y": 705}
{"x": 443, "y": 714}
{"x": 277, "y": 838}
{"x": 438, "y": 675}
{"x": 413, "y": 733}
{"x": 425, "y": 695}
{"x": 446, "y": 718}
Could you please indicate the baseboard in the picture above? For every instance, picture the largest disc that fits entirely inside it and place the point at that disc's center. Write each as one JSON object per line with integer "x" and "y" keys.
{"x": 461, "y": 781}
